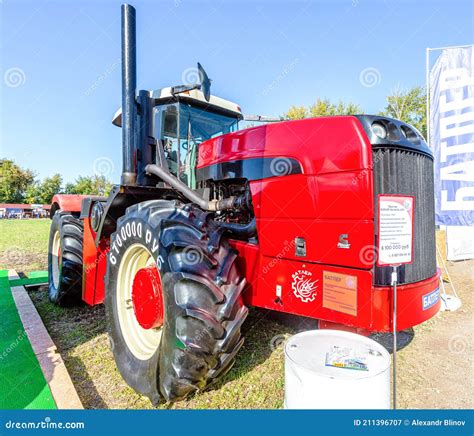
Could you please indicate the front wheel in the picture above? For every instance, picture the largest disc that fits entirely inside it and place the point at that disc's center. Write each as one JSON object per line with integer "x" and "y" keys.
{"x": 173, "y": 299}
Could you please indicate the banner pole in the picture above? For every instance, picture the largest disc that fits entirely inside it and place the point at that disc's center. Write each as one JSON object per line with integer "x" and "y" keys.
{"x": 427, "y": 66}
{"x": 394, "y": 354}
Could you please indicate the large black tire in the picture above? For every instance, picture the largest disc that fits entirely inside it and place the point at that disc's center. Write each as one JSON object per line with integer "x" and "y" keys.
{"x": 203, "y": 307}
{"x": 65, "y": 282}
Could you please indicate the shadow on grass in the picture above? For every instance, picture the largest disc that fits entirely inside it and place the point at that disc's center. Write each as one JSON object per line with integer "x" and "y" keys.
{"x": 404, "y": 338}
{"x": 86, "y": 389}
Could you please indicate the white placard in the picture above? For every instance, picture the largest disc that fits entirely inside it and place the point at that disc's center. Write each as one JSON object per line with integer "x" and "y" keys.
{"x": 395, "y": 241}
{"x": 460, "y": 242}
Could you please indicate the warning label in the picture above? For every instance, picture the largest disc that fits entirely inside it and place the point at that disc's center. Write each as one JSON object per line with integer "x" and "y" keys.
{"x": 395, "y": 242}
{"x": 340, "y": 292}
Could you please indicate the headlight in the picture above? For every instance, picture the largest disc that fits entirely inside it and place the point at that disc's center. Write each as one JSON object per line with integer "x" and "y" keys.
{"x": 96, "y": 216}
{"x": 410, "y": 134}
{"x": 380, "y": 130}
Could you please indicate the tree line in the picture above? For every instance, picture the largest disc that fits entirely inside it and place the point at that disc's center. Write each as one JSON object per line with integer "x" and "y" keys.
{"x": 18, "y": 185}
{"x": 407, "y": 105}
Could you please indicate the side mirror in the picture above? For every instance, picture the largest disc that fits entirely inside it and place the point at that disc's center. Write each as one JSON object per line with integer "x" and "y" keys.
{"x": 205, "y": 82}
{"x": 204, "y": 85}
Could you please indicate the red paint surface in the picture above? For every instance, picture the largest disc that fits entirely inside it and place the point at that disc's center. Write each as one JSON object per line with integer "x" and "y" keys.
{"x": 147, "y": 298}
{"x": 68, "y": 202}
{"x": 95, "y": 266}
{"x": 322, "y": 145}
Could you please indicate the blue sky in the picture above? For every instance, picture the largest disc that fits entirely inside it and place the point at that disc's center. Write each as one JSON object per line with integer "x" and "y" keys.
{"x": 61, "y": 63}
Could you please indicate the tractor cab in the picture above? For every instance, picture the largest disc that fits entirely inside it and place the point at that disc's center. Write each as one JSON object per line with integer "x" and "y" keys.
{"x": 182, "y": 121}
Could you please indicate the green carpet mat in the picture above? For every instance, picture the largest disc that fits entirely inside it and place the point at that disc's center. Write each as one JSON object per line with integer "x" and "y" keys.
{"x": 22, "y": 383}
{"x": 33, "y": 278}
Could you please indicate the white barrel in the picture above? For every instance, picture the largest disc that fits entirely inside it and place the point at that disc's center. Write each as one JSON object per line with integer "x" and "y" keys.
{"x": 311, "y": 384}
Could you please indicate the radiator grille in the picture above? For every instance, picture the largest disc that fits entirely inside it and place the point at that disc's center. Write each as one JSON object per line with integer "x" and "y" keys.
{"x": 408, "y": 173}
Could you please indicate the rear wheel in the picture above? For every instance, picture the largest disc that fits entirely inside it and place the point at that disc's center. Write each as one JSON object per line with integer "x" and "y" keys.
{"x": 65, "y": 259}
{"x": 173, "y": 299}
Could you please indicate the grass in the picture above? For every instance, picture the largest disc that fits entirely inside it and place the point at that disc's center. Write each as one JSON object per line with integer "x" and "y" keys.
{"x": 24, "y": 244}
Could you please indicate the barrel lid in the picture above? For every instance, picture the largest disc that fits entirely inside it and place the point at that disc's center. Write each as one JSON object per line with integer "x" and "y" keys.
{"x": 310, "y": 349}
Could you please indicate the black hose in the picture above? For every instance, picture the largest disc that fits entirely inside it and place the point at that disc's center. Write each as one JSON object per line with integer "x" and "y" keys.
{"x": 241, "y": 231}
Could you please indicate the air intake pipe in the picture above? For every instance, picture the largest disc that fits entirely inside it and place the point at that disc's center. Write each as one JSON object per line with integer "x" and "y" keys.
{"x": 194, "y": 197}
{"x": 129, "y": 86}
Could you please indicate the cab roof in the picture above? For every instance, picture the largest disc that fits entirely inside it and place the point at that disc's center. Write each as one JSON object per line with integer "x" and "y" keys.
{"x": 195, "y": 96}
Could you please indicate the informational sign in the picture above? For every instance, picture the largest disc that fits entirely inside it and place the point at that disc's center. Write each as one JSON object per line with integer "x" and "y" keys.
{"x": 340, "y": 292}
{"x": 452, "y": 135}
{"x": 395, "y": 241}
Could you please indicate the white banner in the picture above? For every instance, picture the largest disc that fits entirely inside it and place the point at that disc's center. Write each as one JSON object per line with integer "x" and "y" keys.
{"x": 452, "y": 135}
{"x": 452, "y": 141}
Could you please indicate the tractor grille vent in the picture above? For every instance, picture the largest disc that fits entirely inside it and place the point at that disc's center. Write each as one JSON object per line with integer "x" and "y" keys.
{"x": 403, "y": 172}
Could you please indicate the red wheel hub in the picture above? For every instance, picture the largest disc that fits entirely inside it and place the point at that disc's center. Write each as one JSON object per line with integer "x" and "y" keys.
{"x": 147, "y": 298}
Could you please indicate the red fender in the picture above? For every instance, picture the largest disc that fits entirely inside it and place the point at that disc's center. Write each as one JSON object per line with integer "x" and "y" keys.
{"x": 66, "y": 202}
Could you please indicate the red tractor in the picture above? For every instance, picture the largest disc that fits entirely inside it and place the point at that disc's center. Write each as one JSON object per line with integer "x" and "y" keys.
{"x": 209, "y": 220}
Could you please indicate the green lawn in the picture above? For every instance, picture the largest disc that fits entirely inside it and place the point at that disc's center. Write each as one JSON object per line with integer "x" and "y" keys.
{"x": 24, "y": 244}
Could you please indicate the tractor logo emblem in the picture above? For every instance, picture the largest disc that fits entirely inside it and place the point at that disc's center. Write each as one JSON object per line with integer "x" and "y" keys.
{"x": 303, "y": 287}
{"x": 343, "y": 241}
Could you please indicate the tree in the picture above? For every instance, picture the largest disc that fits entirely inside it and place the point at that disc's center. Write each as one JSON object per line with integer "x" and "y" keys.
{"x": 89, "y": 185}
{"x": 14, "y": 182}
{"x": 296, "y": 113}
{"x": 43, "y": 192}
{"x": 408, "y": 106}
{"x": 323, "y": 108}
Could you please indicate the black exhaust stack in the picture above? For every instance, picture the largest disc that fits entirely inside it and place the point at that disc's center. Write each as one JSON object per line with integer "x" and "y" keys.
{"x": 129, "y": 86}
